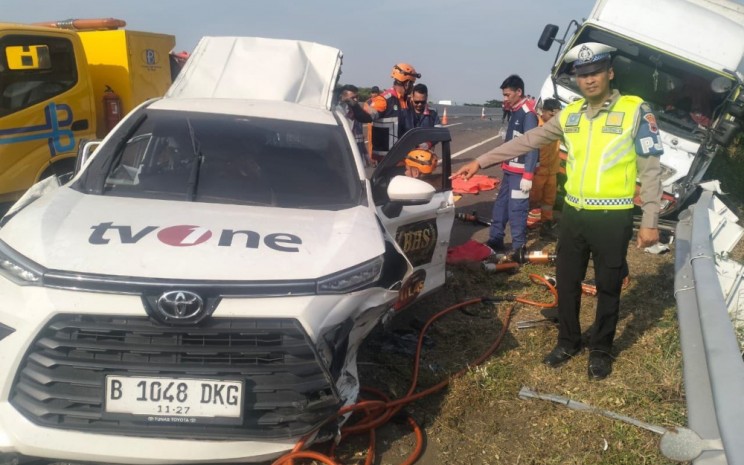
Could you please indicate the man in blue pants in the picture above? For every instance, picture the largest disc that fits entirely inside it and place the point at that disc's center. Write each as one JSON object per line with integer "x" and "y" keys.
{"x": 512, "y": 202}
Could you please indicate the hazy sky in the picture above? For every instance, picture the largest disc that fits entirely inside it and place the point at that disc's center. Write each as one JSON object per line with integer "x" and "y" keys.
{"x": 463, "y": 48}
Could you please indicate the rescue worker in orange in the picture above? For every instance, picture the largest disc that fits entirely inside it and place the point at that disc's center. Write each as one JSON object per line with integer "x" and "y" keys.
{"x": 542, "y": 195}
{"x": 420, "y": 162}
{"x": 386, "y": 110}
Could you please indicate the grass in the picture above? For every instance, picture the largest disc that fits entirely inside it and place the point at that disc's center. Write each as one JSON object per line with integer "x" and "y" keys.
{"x": 479, "y": 419}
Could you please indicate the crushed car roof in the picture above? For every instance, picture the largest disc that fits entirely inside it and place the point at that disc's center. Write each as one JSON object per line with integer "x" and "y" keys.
{"x": 255, "y": 68}
{"x": 248, "y": 108}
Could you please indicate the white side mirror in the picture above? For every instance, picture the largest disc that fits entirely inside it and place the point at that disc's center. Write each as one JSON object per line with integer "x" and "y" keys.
{"x": 410, "y": 191}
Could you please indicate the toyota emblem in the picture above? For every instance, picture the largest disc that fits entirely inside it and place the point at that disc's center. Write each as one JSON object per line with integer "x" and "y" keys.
{"x": 180, "y": 305}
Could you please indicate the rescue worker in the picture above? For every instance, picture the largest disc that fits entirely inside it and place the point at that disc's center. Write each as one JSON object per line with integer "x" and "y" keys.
{"x": 542, "y": 195}
{"x": 385, "y": 110}
{"x": 512, "y": 202}
{"x": 420, "y": 162}
{"x": 611, "y": 139}
{"x": 349, "y": 95}
{"x": 419, "y": 114}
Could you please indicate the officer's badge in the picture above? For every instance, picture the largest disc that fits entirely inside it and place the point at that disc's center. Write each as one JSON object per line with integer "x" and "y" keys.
{"x": 585, "y": 55}
{"x": 651, "y": 120}
{"x": 615, "y": 118}
{"x": 573, "y": 119}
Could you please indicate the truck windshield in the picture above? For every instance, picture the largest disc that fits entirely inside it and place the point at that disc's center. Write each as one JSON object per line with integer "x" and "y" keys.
{"x": 685, "y": 97}
{"x": 231, "y": 159}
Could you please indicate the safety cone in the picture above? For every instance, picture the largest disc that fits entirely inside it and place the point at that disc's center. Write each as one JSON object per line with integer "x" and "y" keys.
{"x": 483, "y": 113}
{"x": 444, "y": 116}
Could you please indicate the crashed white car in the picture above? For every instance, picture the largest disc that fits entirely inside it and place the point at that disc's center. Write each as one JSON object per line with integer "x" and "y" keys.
{"x": 198, "y": 291}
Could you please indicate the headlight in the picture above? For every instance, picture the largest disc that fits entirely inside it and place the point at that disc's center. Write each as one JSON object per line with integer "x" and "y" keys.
{"x": 351, "y": 279}
{"x": 18, "y": 268}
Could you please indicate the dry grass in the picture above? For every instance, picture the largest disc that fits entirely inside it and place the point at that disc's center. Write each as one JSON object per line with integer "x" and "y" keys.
{"x": 480, "y": 420}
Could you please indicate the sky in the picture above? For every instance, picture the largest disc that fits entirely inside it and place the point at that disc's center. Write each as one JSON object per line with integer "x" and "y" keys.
{"x": 463, "y": 48}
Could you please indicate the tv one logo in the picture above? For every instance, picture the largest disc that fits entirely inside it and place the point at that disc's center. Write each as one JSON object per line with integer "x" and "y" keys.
{"x": 191, "y": 235}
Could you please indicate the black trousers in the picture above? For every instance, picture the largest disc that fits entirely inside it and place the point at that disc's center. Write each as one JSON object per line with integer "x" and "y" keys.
{"x": 605, "y": 235}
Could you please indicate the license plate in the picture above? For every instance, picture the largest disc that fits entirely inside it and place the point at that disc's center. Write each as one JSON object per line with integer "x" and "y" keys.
{"x": 174, "y": 399}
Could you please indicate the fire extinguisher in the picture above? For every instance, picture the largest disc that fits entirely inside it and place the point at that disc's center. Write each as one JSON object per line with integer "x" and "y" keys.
{"x": 112, "y": 113}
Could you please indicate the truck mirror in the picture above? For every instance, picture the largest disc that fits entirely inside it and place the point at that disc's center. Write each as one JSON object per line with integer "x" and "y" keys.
{"x": 725, "y": 133}
{"x": 547, "y": 37}
{"x": 23, "y": 57}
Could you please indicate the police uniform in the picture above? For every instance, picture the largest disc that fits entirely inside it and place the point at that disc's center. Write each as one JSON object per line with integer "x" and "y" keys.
{"x": 608, "y": 147}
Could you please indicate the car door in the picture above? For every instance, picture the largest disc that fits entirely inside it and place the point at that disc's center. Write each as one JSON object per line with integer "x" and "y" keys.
{"x": 421, "y": 230}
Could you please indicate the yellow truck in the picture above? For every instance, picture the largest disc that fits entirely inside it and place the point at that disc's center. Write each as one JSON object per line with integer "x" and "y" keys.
{"x": 62, "y": 83}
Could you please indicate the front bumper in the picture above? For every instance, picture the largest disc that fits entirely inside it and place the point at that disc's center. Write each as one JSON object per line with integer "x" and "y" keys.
{"x": 54, "y": 365}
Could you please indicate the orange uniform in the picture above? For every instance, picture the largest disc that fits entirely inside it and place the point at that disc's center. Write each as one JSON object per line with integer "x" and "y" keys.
{"x": 544, "y": 185}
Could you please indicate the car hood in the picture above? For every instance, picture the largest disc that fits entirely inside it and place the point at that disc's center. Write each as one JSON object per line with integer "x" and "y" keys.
{"x": 70, "y": 231}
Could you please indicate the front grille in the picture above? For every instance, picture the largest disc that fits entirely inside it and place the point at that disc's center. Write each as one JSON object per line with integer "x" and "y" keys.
{"x": 61, "y": 383}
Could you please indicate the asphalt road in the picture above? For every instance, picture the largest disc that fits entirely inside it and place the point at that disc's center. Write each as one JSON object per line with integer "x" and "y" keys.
{"x": 471, "y": 137}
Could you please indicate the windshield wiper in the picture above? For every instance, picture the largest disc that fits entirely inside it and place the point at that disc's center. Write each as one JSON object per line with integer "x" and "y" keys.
{"x": 196, "y": 168}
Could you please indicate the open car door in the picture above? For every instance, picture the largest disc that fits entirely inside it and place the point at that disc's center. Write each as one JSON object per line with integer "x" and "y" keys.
{"x": 421, "y": 226}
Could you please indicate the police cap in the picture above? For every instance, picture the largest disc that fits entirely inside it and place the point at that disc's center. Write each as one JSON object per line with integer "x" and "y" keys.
{"x": 590, "y": 57}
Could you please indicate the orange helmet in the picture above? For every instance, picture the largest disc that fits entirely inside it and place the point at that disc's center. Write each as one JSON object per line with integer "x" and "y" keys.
{"x": 404, "y": 72}
{"x": 424, "y": 160}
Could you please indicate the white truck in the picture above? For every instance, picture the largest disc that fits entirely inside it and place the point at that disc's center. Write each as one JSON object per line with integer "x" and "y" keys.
{"x": 685, "y": 58}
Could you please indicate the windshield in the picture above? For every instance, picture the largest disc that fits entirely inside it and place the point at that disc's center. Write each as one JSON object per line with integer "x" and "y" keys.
{"x": 231, "y": 159}
{"x": 686, "y": 98}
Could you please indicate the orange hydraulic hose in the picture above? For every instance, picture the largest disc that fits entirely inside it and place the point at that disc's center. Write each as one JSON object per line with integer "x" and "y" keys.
{"x": 378, "y": 412}
{"x": 537, "y": 279}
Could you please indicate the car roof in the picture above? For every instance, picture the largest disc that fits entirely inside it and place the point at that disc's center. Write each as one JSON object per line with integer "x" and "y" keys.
{"x": 258, "y": 68}
{"x": 248, "y": 108}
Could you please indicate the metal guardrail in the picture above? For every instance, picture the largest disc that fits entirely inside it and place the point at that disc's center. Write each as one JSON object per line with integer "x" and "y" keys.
{"x": 712, "y": 362}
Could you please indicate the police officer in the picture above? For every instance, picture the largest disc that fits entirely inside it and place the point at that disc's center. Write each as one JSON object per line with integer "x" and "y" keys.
{"x": 386, "y": 110}
{"x": 611, "y": 140}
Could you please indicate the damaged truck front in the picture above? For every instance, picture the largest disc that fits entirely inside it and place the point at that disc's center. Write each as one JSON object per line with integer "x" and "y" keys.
{"x": 685, "y": 58}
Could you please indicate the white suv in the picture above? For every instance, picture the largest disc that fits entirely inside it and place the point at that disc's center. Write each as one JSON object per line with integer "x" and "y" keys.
{"x": 199, "y": 290}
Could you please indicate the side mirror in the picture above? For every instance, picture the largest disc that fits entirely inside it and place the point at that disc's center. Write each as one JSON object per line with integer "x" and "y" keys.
{"x": 547, "y": 37}
{"x": 410, "y": 191}
{"x": 725, "y": 133}
{"x": 84, "y": 153}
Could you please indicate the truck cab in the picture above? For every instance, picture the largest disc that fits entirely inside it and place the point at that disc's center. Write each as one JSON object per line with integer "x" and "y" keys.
{"x": 53, "y": 84}
{"x": 692, "y": 80}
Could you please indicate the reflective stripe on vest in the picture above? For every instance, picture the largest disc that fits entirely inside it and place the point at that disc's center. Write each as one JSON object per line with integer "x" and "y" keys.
{"x": 601, "y": 163}
{"x": 385, "y": 129}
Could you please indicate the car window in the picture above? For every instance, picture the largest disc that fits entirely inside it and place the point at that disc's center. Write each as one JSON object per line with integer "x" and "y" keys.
{"x": 230, "y": 159}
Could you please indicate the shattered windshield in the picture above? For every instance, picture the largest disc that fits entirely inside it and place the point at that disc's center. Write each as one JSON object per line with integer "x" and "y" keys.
{"x": 231, "y": 159}
{"x": 686, "y": 98}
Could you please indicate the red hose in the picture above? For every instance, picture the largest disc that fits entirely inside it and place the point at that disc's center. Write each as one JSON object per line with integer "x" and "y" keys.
{"x": 378, "y": 412}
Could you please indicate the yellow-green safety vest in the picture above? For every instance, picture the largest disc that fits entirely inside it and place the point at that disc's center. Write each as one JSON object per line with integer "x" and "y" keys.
{"x": 601, "y": 163}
